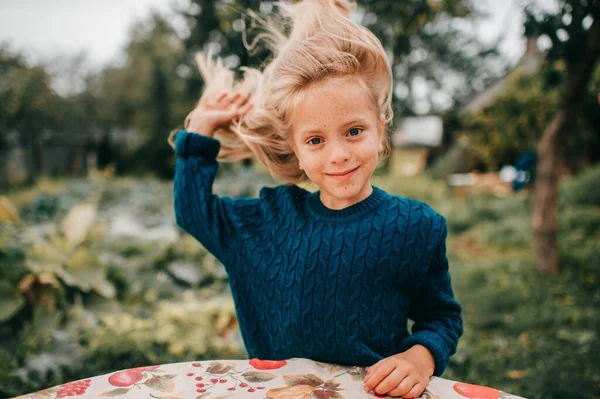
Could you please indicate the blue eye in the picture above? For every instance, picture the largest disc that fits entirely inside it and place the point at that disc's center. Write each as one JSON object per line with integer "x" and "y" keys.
{"x": 355, "y": 131}
{"x": 314, "y": 141}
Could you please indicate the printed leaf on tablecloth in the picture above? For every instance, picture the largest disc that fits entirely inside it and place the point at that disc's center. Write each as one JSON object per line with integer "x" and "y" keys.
{"x": 293, "y": 392}
{"x": 357, "y": 373}
{"x": 116, "y": 392}
{"x": 165, "y": 397}
{"x": 45, "y": 394}
{"x": 332, "y": 368}
{"x": 162, "y": 383}
{"x": 427, "y": 394}
{"x": 258, "y": 376}
{"x": 302, "y": 379}
{"x": 331, "y": 384}
{"x": 319, "y": 394}
{"x": 219, "y": 367}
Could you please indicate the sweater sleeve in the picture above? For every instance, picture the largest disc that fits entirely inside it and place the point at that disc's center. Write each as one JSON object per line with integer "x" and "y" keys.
{"x": 211, "y": 219}
{"x": 437, "y": 315}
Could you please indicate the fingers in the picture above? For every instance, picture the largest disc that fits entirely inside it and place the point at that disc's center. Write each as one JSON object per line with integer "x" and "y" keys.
{"x": 231, "y": 100}
{"x": 396, "y": 380}
{"x": 227, "y": 108}
{"x": 414, "y": 392}
{"x": 246, "y": 108}
{"x": 379, "y": 373}
{"x": 240, "y": 100}
{"x": 221, "y": 97}
{"x": 404, "y": 386}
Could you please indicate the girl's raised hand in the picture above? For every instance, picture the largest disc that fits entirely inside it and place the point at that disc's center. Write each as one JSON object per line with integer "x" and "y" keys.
{"x": 227, "y": 107}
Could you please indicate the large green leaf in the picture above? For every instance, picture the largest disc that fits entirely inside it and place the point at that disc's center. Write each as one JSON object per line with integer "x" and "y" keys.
{"x": 9, "y": 306}
{"x": 87, "y": 279}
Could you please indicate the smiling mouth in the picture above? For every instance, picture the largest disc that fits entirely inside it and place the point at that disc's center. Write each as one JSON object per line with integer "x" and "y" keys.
{"x": 346, "y": 173}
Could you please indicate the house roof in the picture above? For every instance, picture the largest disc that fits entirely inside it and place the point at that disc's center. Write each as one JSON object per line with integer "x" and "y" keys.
{"x": 419, "y": 130}
{"x": 529, "y": 64}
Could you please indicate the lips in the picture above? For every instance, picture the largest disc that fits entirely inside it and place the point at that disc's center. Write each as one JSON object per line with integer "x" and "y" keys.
{"x": 343, "y": 174}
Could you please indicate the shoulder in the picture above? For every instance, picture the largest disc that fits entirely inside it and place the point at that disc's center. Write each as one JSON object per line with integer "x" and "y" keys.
{"x": 420, "y": 216}
{"x": 415, "y": 209}
{"x": 283, "y": 197}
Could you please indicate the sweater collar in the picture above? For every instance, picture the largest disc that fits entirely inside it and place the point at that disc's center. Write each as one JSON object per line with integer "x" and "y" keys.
{"x": 361, "y": 207}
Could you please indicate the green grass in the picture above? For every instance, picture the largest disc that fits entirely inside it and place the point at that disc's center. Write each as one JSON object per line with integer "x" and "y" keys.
{"x": 529, "y": 335}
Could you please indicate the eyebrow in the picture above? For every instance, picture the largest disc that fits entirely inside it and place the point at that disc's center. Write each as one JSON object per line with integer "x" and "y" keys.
{"x": 342, "y": 125}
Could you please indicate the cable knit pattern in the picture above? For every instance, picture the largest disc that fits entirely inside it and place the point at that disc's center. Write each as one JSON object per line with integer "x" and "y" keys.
{"x": 329, "y": 285}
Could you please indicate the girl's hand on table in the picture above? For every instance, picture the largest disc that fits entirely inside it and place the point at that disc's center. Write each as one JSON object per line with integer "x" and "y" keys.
{"x": 405, "y": 374}
{"x": 227, "y": 107}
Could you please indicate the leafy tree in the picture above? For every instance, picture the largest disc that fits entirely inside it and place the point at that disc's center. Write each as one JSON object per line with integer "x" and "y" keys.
{"x": 426, "y": 48}
{"x": 517, "y": 119}
{"x": 575, "y": 35}
{"x": 218, "y": 26}
{"x": 28, "y": 106}
{"x": 146, "y": 94}
{"x": 430, "y": 51}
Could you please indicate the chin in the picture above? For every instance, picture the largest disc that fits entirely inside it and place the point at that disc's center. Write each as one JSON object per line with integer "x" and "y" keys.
{"x": 347, "y": 191}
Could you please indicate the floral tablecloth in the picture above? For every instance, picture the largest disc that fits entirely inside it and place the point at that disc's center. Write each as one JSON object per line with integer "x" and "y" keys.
{"x": 220, "y": 379}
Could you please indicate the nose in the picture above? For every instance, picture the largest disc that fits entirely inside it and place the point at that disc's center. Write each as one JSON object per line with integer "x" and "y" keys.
{"x": 339, "y": 153}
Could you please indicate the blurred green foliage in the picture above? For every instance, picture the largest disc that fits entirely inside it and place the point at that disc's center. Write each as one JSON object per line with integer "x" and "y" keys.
{"x": 111, "y": 300}
{"x": 583, "y": 190}
{"x": 517, "y": 119}
{"x": 125, "y": 111}
{"x": 525, "y": 334}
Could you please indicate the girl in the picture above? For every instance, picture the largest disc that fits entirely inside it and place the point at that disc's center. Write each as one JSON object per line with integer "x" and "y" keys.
{"x": 332, "y": 275}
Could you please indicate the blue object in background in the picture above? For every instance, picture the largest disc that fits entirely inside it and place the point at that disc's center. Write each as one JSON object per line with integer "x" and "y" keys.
{"x": 525, "y": 165}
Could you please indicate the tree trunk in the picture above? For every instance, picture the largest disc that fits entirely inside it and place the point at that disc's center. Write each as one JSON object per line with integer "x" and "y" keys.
{"x": 549, "y": 155}
{"x": 546, "y": 195}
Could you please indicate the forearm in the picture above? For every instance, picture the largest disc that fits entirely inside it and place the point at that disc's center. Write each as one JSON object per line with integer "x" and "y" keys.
{"x": 197, "y": 210}
{"x": 437, "y": 315}
{"x": 438, "y": 321}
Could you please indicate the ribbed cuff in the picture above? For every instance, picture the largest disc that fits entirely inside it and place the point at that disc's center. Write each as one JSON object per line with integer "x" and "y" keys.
{"x": 431, "y": 341}
{"x": 193, "y": 144}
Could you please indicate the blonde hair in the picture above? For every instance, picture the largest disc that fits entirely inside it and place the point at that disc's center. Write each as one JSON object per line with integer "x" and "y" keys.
{"x": 324, "y": 42}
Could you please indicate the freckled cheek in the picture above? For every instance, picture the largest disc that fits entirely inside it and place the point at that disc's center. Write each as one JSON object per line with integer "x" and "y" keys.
{"x": 362, "y": 157}
{"x": 313, "y": 164}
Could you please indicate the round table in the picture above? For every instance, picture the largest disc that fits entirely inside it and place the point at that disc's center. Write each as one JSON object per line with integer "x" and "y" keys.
{"x": 220, "y": 379}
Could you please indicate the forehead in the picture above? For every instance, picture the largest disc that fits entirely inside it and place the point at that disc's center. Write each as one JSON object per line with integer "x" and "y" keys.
{"x": 328, "y": 104}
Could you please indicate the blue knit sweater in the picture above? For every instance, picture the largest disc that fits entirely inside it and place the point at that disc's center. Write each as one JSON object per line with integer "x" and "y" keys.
{"x": 330, "y": 285}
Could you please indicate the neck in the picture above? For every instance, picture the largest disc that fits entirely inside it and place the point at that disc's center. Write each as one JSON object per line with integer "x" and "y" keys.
{"x": 322, "y": 211}
{"x": 341, "y": 203}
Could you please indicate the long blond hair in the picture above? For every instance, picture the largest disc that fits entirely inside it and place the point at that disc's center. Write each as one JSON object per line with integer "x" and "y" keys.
{"x": 323, "y": 42}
